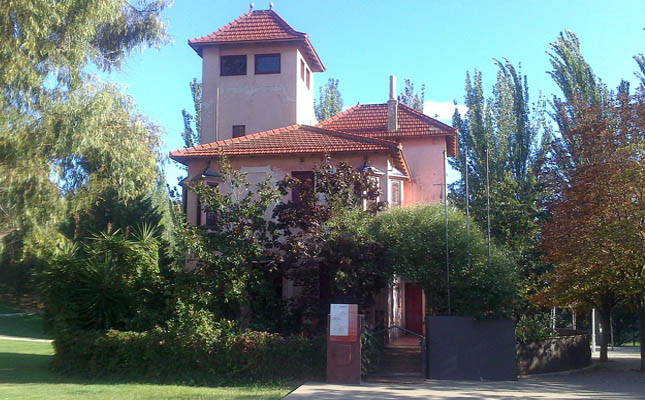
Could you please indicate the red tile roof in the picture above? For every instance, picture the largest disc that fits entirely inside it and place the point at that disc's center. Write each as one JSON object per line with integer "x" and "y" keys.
{"x": 259, "y": 26}
{"x": 294, "y": 139}
{"x": 370, "y": 120}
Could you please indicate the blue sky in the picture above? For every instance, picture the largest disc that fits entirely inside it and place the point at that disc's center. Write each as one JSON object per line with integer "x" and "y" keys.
{"x": 361, "y": 43}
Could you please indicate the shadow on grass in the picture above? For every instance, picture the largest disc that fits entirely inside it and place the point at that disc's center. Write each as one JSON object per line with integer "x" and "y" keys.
{"x": 31, "y": 368}
{"x": 22, "y": 368}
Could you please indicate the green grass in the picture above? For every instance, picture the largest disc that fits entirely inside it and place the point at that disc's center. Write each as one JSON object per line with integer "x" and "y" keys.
{"x": 30, "y": 326}
{"x": 5, "y": 309}
{"x": 25, "y": 374}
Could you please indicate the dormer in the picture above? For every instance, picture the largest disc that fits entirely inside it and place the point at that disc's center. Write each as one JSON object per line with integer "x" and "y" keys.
{"x": 257, "y": 75}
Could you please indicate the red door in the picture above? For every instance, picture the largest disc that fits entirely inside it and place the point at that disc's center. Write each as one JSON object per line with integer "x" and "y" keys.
{"x": 413, "y": 308}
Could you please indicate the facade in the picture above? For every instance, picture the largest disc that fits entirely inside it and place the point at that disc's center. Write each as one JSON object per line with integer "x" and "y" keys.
{"x": 257, "y": 109}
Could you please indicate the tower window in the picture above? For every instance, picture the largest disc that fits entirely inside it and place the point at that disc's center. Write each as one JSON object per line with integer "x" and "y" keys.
{"x": 232, "y": 65}
{"x": 302, "y": 70}
{"x": 308, "y": 78}
{"x": 239, "y": 130}
{"x": 267, "y": 63}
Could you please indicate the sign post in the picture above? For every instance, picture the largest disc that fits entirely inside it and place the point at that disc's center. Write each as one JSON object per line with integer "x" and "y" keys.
{"x": 344, "y": 344}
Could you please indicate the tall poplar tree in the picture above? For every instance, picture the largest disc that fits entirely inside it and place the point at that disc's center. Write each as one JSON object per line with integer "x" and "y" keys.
{"x": 410, "y": 97}
{"x": 330, "y": 101}
{"x": 515, "y": 135}
{"x": 193, "y": 122}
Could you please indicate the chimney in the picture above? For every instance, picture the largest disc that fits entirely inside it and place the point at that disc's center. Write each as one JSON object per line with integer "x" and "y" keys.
{"x": 392, "y": 107}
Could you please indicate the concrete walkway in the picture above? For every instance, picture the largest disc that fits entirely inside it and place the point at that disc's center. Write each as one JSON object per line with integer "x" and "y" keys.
{"x": 617, "y": 379}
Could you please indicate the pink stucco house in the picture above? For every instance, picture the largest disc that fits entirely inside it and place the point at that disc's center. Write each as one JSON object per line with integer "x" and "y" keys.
{"x": 257, "y": 108}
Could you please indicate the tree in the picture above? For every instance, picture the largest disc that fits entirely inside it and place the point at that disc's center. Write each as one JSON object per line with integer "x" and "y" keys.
{"x": 328, "y": 248}
{"x": 64, "y": 137}
{"x": 193, "y": 122}
{"x": 105, "y": 282}
{"x": 234, "y": 262}
{"x": 330, "y": 101}
{"x": 411, "y": 98}
{"x": 514, "y": 138}
{"x": 597, "y": 213}
{"x": 578, "y": 182}
{"x": 414, "y": 239}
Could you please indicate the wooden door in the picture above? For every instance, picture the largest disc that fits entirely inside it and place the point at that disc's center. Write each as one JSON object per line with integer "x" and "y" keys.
{"x": 413, "y": 308}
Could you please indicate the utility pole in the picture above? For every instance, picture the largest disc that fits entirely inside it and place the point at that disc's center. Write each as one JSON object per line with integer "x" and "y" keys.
{"x": 467, "y": 211}
{"x": 488, "y": 204}
{"x": 445, "y": 204}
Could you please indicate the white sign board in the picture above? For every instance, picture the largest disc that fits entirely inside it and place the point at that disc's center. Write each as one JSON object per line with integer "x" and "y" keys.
{"x": 339, "y": 320}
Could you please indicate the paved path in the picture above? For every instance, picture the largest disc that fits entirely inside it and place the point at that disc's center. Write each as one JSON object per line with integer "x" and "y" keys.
{"x": 616, "y": 379}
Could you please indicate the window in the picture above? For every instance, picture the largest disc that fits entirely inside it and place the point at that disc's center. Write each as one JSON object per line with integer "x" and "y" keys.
{"x": 198, "y": 221}
{"x": 303, "y": 176}
{"x": 302, "y": 70}
{"x": 370, "y": 204}
{"x": 396, "y": 197}
{"x": 239, "y": 130}
{"x": 232, "y": 65}
{"x": 267, "y": 63}
{"x": 211, "y": 217}
{"x": 308, "y": 78}
{"x": 184, "y": 200}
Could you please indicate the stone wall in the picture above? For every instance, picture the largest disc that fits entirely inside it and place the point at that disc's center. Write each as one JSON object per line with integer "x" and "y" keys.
{"x": 554, "y": 354}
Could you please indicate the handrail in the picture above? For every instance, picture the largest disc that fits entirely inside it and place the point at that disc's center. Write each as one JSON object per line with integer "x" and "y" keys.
{"x": 398, "y": 327}
{"x": 422, "y": 343}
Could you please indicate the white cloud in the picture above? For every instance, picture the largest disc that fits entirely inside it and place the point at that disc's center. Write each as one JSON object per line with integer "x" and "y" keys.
{"x": 443, "y": 110}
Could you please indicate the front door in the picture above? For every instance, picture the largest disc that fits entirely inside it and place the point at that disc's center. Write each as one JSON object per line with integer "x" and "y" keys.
{"x": 413, "y": 308}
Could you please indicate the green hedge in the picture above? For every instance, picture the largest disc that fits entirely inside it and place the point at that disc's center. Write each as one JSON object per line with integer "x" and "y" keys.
{"x": 160, "y": 355}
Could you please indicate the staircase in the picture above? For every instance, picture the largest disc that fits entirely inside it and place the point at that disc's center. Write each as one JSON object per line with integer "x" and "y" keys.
{"x": 400, "y": 362}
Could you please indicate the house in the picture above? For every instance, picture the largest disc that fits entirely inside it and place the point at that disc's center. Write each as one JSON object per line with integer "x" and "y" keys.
{"x": 257, "y": 108}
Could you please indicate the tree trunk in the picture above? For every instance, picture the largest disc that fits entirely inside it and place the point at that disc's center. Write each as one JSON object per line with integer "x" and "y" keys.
{"x": 605, "y": 321}
{"x": 641, "y": 326}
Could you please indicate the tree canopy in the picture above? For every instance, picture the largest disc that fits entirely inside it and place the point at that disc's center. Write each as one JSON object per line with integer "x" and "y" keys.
{"x": 66, "y": 137}
{"x": 415, "y": 243}
{"x": 410, "y": 97}
{"x": 330, "y": 101}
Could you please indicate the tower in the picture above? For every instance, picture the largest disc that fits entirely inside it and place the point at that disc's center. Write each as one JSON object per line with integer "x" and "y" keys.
{"x": 257, "y": 75}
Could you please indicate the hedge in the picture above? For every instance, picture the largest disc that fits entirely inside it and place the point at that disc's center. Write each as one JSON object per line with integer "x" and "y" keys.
{"x": 159, "y": 355}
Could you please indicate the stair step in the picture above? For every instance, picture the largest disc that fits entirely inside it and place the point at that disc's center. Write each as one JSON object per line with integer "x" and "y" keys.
{"x": 400, "y": 363}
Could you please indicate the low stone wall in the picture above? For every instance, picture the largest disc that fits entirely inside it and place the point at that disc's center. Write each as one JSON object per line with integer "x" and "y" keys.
{"x": 554, "y": 354}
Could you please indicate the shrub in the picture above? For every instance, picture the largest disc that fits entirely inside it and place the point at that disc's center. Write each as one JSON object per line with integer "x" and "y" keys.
{"x": 534, "y": 327}
{"x": 163, "y": 354}
{"x": 108, "y": 282}
{"x": 414, "y": 238}
{"x": 371, "y": 349}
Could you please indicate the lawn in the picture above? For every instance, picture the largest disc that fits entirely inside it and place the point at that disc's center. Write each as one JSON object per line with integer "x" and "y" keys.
{"x": 5, "y": 309}
{"x": 30, "y": 326}
{"x": 24, "y": 374}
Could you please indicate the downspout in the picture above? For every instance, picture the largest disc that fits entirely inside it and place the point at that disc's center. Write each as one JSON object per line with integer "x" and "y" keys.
{"x": 217, "y": 114}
